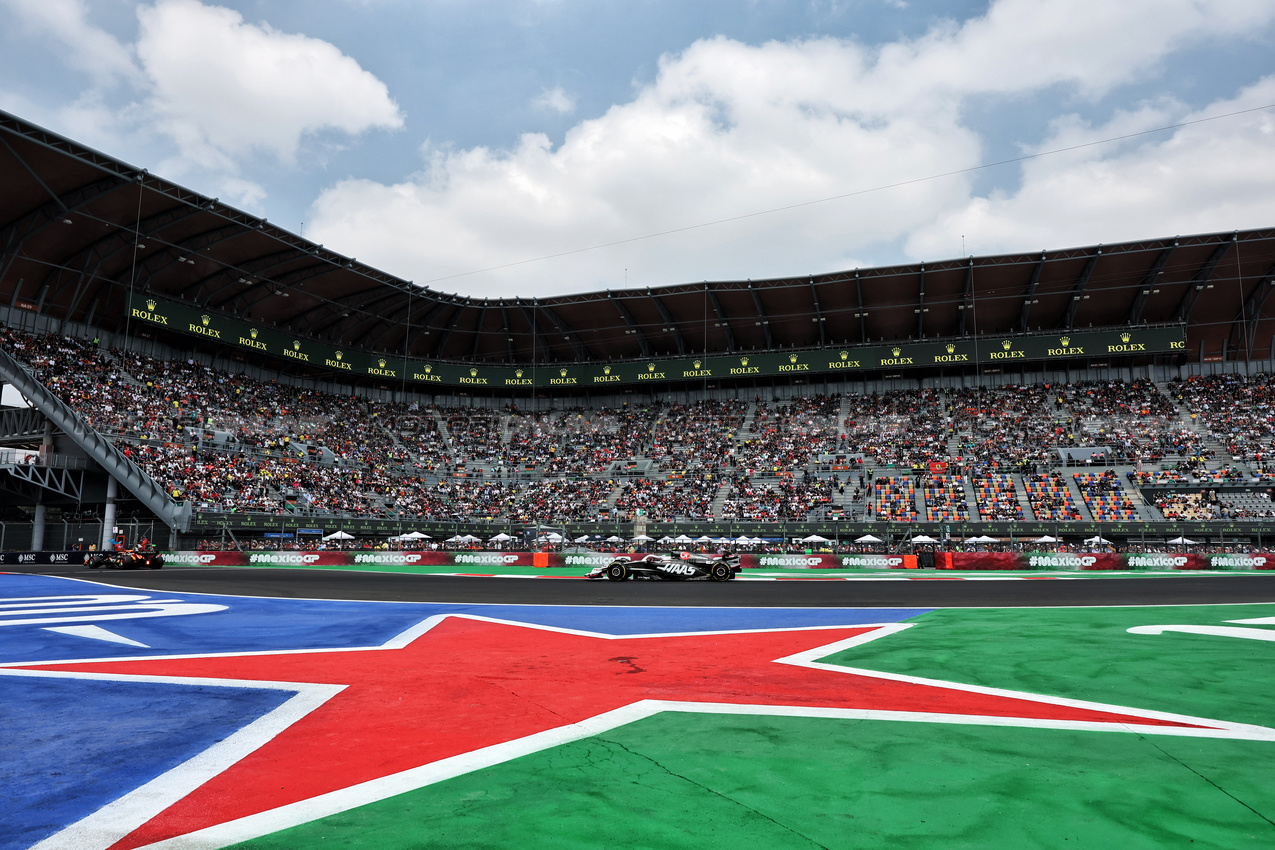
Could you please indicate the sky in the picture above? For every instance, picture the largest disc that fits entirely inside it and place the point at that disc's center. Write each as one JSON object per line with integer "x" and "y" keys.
{"x": 495, "y": 148}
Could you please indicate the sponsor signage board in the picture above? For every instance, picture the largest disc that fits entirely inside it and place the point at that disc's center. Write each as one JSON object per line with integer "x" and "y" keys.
{"x": 902, "y": 355}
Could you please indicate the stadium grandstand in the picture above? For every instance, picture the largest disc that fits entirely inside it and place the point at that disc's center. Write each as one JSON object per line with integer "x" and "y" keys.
{"x": 191, "y": 373}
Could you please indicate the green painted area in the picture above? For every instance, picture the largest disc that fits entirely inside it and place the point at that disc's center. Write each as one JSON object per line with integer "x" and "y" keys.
{"x": 680, "y": 780}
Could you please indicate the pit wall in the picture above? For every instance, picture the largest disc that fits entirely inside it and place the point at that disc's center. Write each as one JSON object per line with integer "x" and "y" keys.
{"x": 486, "y": 561}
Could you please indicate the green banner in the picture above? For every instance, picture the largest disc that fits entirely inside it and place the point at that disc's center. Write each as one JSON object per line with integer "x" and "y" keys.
{"x": 903, "y": 355}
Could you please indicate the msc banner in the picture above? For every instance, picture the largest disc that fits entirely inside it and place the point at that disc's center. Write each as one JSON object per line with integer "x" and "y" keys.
{"x": 901, "y": 355}
{"x": 487, "y": 562}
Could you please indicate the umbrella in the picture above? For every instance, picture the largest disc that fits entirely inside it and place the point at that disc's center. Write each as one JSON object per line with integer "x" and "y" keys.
{"x": 339, "y": 535}
{"x": 1046, "y": 539}
{"x": 923, "y": 538}
{"x": 867, "y": 538}
{"x": 814, "y": 538}
{"x": 499, "y": 538}
{"x": 643, "y": 538}
{"x": 1182, "y": 540}
{"x": 1096, "y": 541}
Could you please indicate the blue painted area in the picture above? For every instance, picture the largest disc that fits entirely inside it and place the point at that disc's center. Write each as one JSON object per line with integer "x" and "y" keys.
{"x": 259, "y": 625}
{"x": 70, "y": 746}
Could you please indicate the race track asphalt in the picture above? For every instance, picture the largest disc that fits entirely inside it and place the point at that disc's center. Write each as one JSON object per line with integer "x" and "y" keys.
{"x": 928, "y": 590}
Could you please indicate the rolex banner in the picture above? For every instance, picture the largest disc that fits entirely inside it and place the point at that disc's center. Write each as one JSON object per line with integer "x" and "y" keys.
{"x": 987, "y": 351}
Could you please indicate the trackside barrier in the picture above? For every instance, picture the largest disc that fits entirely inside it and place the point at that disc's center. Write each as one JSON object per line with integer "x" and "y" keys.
{"x": 486, "y": 562}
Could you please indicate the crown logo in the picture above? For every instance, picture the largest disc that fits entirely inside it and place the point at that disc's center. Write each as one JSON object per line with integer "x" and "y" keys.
{"x": 1065, "y": 340}
{"x": 428, "y": 368}
{"x": 896, "y": 351}
{"x": 205, "y": 319}
{"x": 150, "y": 303}
{"x": 951, "y": 348}
{"x": 296, "y": 345}
{"x": 792, "y": 358}
{"x": 1005, "y": 344}
{"x": 606, "y": 370}
{"x": 381, "y": 362}
{"x": 252, "y": 332}
{"x": 339, "y": 355}
{"x": 844, "y": 354}
{"x": 743, "y": 361}
{"x": 1125, "y": 337}
{"x": 696, "y": 364}
{"x": 517, "y": 372}
{"x": 650, "y": 367}
{"x": 473, "y": 373}
{"x": 562, "y": 373}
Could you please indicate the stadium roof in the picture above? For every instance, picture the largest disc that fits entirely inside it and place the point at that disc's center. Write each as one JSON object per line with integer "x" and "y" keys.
{"x": 80, "y": 230}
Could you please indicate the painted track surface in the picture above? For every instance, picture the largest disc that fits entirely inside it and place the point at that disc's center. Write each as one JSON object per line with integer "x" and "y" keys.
{"x": 930, "y": 590}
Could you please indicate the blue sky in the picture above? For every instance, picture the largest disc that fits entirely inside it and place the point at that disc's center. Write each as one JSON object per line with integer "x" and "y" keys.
{"x": 456, "y": 143}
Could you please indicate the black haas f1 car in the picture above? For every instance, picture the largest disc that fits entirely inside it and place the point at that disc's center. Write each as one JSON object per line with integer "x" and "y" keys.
{"x": 127, "y": 560}
{"x": 687, "y": 567}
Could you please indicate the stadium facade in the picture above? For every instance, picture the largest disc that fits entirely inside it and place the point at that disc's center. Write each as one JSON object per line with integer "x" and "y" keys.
{"x": 95, "y": 249}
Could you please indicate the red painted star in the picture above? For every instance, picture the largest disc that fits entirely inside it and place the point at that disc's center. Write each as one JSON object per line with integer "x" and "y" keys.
{"x": 458, "y": 693}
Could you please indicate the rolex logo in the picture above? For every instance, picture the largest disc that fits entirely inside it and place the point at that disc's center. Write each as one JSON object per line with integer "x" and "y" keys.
{"x": 951, "y": 348}
{"x": 296, "y": 345}
{"x": 150, "y": 304}
{"x": 792, "y": 358}
{"x": 381, "y": 362}
{"x": 743, "y": 361}
{"x": 205, "y": 319}
{"x": 650, "y": 367}
{"x": 896, "y": 351}
{"x": 1006, "y": 344}
{"x": 252, "y": 332}
{"x": 1065, "y": 340}
{"x": 606, "y": 370}
{"x": 696, "y": 364}
{"x": 562, "y": 373}
{"x": 517, "y": 372}
{"x": 473, "y": 373}
{"x": 339, "y": 355}
{"x": 428, "y": 368}
{"x": 844, "y": 354}
{"x": 1125, "y": 337}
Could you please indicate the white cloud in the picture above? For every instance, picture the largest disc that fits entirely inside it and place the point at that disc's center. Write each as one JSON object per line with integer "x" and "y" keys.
{"x": 223, "y": 88}
{"x": 727, "y": 129}
{"x": 555, "y": 100}
{"x": 87, "y": 47}
{"x": 1209, "y": 177}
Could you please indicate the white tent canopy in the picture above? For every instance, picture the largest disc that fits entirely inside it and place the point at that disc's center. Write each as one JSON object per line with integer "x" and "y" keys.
{"x": 703, "y": 538}
{"x": 338, "y": 535}
{"x": 682, "y": 538}
{"x": 615, "y": 538}
{"x": 923, "y": 538}
{"x": 1045, "y": 539}
{"x": 743, "y": 540}
{"x": 1096, "y": 541}
{"x": 643, "y": 538}
{"x": 815, "y": 538}
{"x": 499, "y": 538}
{"x": 1183, "y": 541}
{"x": 583, "y": 538}
{"x": 665, "y": 539}
{"x": 982, "y": 538}
{"x": 867, "y": 538}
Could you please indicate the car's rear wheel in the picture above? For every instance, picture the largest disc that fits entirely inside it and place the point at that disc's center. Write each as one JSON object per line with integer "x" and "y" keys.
{"x": 618, "y": 571}
{"x": 720, "y": 572}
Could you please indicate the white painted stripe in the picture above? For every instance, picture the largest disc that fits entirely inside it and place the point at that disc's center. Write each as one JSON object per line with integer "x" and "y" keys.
{"x": 96, "y": 633}
{"x": 1215, "y": 631}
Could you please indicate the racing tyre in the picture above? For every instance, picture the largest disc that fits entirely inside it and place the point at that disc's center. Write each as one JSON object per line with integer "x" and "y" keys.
{"x": 720, "y": 572}
{"x": 617, "y": 572}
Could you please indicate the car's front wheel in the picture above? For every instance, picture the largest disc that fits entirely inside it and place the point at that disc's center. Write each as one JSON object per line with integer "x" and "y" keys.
{"x": 618, "y": 571}
{"x": 720, "y": 572}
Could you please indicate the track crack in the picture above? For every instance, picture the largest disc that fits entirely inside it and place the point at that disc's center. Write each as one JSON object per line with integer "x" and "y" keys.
{"x": 1170, "y": 755}
{"x": 715, "y": 793}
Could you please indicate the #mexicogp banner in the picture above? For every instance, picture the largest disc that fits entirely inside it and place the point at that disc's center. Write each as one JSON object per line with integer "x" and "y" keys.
{"x": 488, "y": 561}
{"x": 903, "y": 355}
